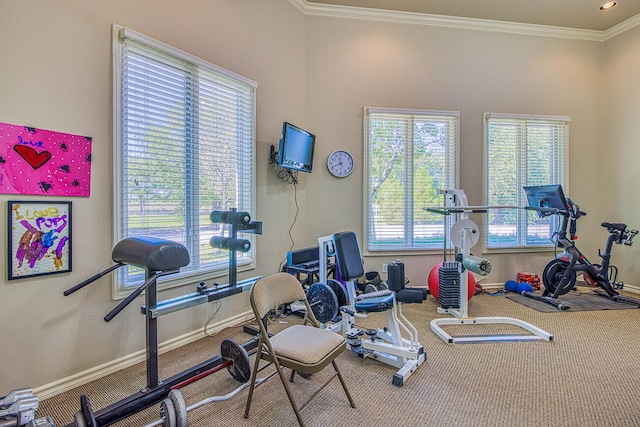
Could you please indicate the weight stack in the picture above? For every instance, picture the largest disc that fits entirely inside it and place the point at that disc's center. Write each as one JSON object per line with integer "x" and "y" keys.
{"x": 395, "y": 280}
{"x": 449, "y": 285}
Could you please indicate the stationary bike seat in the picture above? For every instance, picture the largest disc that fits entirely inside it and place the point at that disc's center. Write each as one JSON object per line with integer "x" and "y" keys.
{"x": 614, "y": 226}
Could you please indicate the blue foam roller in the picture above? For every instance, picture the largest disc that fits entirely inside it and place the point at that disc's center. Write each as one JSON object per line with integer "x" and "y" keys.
{"x": 524, "y": 287}
{"x": 511, "y": 285}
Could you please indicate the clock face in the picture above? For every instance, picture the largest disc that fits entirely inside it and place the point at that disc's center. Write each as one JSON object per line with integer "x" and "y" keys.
{"x": 340, "y": 163}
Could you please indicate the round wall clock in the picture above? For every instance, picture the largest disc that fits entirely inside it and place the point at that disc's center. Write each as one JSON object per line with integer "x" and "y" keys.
{"x": 340, "y": 163}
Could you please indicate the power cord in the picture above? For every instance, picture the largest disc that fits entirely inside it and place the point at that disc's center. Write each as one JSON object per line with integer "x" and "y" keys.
{"x": 206, "y": 325}
{"x": 295, "y": 218}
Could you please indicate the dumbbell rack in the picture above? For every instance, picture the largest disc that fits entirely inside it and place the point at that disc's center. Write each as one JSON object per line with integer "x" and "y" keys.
{"x": 156, "y": 391}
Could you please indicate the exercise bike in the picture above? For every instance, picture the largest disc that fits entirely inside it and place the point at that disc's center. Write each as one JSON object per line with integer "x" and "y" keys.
{"x": 559, "y": 275}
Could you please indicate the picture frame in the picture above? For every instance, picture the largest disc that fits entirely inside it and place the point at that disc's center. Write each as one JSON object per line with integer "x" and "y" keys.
{"x": 39, "y": 238}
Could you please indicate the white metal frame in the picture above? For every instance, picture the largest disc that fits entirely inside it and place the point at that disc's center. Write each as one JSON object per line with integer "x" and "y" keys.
{"x": 389, "y": 346}
{"x": 456, "y": 199}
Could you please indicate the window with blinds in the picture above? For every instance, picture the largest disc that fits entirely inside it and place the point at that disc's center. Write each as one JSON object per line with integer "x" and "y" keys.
{"x": 410, "y": 155}
{"x": 520, "y": 151}
{"x": 185, "y": 138}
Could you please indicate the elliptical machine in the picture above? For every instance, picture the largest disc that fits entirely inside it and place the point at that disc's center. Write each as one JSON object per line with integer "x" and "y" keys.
{"x": 559, "y": 275}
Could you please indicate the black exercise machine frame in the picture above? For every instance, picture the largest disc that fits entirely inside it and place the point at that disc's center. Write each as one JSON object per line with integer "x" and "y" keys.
{"x": 559, "y": 275}
{"x": 155, "y": 390}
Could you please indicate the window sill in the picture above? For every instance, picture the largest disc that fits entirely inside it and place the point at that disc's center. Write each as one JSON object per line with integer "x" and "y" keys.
{"x": 516, "y": 250}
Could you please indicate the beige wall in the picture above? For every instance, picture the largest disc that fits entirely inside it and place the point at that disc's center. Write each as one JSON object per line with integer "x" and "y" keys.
{"x": 620, "y": 144}
{"x": 56, "y": 74}
{"x": 314, "y": 71}
{"x": 356, "y": 63}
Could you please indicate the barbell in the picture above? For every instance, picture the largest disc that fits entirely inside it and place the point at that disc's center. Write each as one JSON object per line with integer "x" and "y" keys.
{"x": 173, "y": 410}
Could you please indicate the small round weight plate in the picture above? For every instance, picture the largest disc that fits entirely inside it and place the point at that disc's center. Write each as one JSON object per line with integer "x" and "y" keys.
{"x": 240, "y": 367}
{"x": 168, "y": 413}
{"x": 323, "y": 302}
{"x": 339, "y": 290}
{"x": 180, "y": 407}
{"x": 369, "y": 288}
{"x": 472, "y": 234}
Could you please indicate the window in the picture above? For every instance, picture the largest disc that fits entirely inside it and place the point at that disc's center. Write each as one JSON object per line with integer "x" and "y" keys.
{"x": 410, "y": 155}
{"x": 185, "y": 146}
{"x": 522, "y": 150}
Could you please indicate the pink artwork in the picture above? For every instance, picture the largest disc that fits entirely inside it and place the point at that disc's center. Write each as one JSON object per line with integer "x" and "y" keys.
{"x": 38, "y": 161}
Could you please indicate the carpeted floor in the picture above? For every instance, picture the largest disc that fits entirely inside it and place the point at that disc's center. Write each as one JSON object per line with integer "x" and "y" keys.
{"x": 586, "y": 377}
{"x": 581, "y": 298}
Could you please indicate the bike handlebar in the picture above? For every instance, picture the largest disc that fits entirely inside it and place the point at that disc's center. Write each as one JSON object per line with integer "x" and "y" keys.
{"x": 555, "y": 211}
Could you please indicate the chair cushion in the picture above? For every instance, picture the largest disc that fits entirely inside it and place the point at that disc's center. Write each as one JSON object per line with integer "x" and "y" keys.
{"x": 305, "y": 344}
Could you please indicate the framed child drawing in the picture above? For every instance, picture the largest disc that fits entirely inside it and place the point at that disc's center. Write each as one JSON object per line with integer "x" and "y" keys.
{"x": 39, "y": 238}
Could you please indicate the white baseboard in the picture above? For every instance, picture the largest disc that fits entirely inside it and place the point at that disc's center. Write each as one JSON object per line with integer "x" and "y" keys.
{"x": 81, "y": 378}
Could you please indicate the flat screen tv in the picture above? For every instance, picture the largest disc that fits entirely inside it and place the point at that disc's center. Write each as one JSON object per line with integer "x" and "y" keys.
{"x": 546, "y": 196}
{"x": 296, "y": 148}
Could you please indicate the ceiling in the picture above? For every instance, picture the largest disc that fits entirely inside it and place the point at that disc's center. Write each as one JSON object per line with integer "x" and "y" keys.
{"x": 578, "y": 14}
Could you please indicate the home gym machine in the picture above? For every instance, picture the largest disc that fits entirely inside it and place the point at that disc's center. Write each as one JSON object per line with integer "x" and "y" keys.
{"x": 559, "y": 275}
{"x": 159, "y": 257}
{"x": 453, "y": 277}
{"x": 328, "y": 296}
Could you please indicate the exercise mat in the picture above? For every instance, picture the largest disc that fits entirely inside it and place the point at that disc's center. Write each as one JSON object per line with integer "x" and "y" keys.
{"x": 582, "y": 301}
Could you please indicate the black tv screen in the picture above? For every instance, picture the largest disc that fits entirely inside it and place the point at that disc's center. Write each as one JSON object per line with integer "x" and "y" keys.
{"x": 546, "y": 196}
{"x": 296, "y": 148}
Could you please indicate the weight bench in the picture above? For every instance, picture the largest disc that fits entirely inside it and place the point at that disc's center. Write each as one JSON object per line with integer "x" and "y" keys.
{"x": 158, "y": 257}
{"x": 387, "y": 344}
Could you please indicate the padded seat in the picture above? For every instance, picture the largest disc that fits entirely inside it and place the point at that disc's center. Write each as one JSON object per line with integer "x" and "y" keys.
{"x": 614, "y": 226}
{"x": 375, "y": 304}
{"x": 318, "y": 346}
{"x": 151, "y": 253}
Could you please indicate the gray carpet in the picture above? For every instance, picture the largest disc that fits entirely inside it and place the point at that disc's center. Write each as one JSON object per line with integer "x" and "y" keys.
{"x": 588, "y": 376}
{"x": 577, "y": 301}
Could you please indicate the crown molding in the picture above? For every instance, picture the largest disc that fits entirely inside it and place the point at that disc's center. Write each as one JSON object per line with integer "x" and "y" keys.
{"x": 350, "y": 12}
{"x": 630, "y": 23}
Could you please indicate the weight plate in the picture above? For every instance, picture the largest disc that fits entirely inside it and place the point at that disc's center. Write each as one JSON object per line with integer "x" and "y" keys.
{"x": 240, "y": 367}
{"x": 323, "y": 302}
{"x": 87, "y": 411}
{"x": 369, "y": 288}
{"x": 180, "y": 407}
{"x": 473, "y": 233}
{"x": 168, "y": 413}
{"x": 339, "y": 290}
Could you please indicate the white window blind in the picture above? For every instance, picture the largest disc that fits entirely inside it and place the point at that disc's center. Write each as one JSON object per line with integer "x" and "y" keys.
{"x": 520, "y": 151}
{"x": 185, "y": 147}
{"x": 410, "y": 155}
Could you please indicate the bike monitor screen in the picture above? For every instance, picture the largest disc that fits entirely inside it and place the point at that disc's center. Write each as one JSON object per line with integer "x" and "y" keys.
{"x": 546, "y": 196}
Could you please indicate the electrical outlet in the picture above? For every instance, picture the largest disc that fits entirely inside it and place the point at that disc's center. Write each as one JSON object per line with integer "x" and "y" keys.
{"x": 384, "y": 268}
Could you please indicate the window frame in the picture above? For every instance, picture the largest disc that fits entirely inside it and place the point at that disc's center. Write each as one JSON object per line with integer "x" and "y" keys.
{"x": 453, "y": 177}
{"x": 220, "y": 268}
{"x": 521, "y": 214}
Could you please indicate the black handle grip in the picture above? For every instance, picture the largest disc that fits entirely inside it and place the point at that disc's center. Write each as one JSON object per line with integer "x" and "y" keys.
{"x": 91, "y": 279}
{"x": 113, "y": 313}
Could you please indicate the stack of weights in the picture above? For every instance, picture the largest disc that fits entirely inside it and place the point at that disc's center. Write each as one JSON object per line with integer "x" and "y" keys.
{"x": 449, "y": 284}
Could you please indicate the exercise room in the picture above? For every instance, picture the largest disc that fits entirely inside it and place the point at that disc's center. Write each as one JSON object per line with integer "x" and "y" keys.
{"x": 320, "y": 213}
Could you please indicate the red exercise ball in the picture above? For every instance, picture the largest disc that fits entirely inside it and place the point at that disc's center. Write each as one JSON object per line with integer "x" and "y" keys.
{"x": 432, "y": 281}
